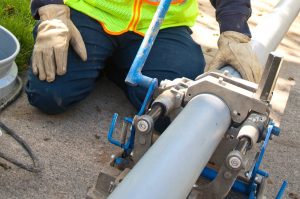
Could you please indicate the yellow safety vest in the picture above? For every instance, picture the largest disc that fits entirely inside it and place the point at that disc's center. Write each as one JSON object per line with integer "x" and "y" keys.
{"x": 120, "y": 16}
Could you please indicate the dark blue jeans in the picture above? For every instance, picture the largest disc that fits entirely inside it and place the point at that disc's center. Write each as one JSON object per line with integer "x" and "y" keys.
{"x": 174, "y": 54}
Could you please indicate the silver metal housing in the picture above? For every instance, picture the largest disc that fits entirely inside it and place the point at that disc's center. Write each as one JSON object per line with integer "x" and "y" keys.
{"x": 172, "y": 165}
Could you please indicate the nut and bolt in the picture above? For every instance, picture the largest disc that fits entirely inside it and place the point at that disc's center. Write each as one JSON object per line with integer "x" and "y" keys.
{"x": 235, "y": 112}
{"x": 226, "y": 72}
{"x": 235, "y": 162}
{"x": 228, "y": 136}
{"x": 111, "y": 186}
{"x": 257, "y": 179}
{"x": 247, "y": 174}
{"x": 221, "y": 80}
{"x": 178, "y": 96}
{"x": 142, "y": 126}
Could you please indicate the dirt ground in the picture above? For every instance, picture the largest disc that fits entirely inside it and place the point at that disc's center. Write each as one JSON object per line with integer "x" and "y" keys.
{"x": 72, "y": 147}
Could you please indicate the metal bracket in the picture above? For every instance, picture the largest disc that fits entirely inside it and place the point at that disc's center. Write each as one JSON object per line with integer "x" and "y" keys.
{"x": 104, "y": 182}
{"x": 108, "y": 179}
{"x": 143, "y": 135}
{"x": 224, "y": 180}
{"x": 229, "y": 89}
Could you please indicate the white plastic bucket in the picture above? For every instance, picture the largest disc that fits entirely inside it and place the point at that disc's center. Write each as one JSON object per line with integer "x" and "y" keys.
{"x": 9, "y": 49}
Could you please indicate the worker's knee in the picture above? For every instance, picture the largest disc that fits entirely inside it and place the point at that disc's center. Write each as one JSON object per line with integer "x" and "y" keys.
{"x": 48, "y": 99}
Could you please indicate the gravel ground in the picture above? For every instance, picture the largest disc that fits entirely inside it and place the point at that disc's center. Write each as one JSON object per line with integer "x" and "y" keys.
{"x": 72, "y": 154}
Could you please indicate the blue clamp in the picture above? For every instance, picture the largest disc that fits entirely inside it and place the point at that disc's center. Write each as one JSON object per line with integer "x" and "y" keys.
{"x": 272, "y": 129}
{"x": 129, "y": 144}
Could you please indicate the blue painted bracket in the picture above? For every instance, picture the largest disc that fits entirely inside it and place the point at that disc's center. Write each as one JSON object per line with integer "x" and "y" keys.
{"x": 111, "y": 131}
{"x": 281, "y": 190}
{"x": 134, "y": 76}
{"x": 237, "y": 186}
{"x": 129, "y": 144}
{"x": 249, "y": 189}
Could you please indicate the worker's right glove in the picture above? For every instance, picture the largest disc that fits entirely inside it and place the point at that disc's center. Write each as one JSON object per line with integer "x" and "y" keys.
{"x": 235, "y": 50}
{"x": 55, "y": 32}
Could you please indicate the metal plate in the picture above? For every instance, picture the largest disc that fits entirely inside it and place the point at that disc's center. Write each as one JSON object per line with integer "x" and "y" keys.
{"x": 238, "y": 94}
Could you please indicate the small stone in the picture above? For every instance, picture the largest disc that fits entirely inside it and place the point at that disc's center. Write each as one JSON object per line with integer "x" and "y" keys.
{"x": 291, "y": 79}
{"x": 97, "y": 136}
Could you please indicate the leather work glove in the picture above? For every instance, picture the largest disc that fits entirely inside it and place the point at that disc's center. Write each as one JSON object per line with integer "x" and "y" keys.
{"x": 55, "y": 32}
{"x": 235, "y": 50}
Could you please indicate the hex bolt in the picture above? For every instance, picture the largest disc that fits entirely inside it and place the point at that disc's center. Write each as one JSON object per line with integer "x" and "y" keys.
{"x": 221, "y": 80}
{"x": 247, "y": 174}
{"x": 226, "y": 73}
{"x": 142, "y": 126}
{"x": 234, "y": 162}
{"x": 111, "y": 186}
{"x": 256, "y": 178}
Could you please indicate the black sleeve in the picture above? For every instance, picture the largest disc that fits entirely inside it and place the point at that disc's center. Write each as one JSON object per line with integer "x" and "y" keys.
{"x": 233, "y": 15}
{"x": 36, "y": 4}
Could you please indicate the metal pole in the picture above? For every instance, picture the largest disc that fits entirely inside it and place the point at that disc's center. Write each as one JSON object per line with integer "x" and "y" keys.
{"x": 172, "y": 165}
{"x": 134, "y": 76}
{"x": 268, "y": 34}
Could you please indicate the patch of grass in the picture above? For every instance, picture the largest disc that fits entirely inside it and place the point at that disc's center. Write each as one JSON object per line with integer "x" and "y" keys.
{"x": 15, "y": 16}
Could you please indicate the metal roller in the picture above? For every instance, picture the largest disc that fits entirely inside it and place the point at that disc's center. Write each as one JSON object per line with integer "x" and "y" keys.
{"x": 172, "y": 165}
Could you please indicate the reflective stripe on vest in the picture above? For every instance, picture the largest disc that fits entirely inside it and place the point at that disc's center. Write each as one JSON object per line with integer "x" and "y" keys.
{"x": 120, "y": 16}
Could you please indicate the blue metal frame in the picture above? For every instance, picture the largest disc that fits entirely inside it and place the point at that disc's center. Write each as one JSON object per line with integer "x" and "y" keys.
{"x": 111, "y": 131}
{"x": 250, "y": 188}
{"x": 152, "y": 87}
{"x": 254, "y": 172}
{"x": 134, "y": 76}
{"x": 129, "y": 144}
{"x": 282, "y": 189}
{"x": 238, "y": 186}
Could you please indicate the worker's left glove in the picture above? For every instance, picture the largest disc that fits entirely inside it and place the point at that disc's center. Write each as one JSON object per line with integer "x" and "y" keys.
{"x": 235, "y": 50}
{"x": 55, "y": 32}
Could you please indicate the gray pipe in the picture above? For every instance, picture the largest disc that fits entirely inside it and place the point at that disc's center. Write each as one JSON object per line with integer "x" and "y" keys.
{"x": 172, "y": 165}
{"x": 268, "y": 34}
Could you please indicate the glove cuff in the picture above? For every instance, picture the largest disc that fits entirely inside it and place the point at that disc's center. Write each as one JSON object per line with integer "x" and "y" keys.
{"x": 54, "y": 11}
{"x": 239, "y": 37}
